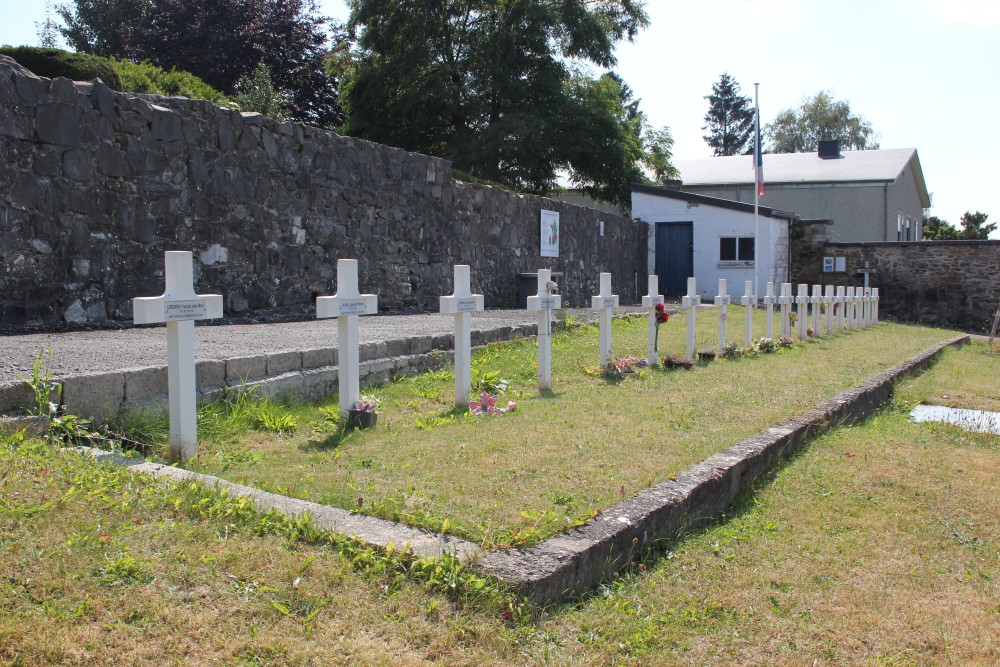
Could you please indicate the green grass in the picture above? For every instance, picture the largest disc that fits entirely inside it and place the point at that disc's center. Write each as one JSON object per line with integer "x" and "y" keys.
{"x": 877, "y": 545}
{"x": 563, "y": 456}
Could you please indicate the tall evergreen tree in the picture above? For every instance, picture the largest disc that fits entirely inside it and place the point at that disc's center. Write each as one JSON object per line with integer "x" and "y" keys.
{"x": 730, "y": 118}
{"x": 975, "y": 227}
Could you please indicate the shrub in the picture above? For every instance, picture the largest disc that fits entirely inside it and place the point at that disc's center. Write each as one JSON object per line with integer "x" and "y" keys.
{"x": 674, "y": 361}
{"x": 56, "y": 62}
{"x": 149, "y": 79}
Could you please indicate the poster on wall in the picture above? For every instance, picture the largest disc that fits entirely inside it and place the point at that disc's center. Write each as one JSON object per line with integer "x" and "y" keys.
{"x": 550, "y": 233}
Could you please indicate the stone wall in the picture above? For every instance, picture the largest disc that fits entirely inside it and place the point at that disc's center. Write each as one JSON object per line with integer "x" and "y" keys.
{"x": 946, "y": 283}
{"x": 95, "y": 185}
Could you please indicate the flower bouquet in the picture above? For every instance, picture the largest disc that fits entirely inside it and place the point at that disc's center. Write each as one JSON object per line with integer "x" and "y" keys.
{"x": 363, "y": 414}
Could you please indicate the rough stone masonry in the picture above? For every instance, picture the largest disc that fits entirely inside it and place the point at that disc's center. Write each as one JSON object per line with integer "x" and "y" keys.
{"x": 95, "y": 185}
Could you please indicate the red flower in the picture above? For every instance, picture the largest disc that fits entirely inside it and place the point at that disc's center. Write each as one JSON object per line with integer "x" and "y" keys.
{"x": 661, "y": 314}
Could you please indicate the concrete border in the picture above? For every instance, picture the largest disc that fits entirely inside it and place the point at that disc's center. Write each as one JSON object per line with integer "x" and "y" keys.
{"x": 361, "y": 527}
{"x": 573, "y": 562}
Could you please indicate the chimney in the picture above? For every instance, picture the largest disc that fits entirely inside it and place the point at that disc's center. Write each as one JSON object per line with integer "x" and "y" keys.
{"x": 673, "y": 184}
{"x": 829, "y": 149}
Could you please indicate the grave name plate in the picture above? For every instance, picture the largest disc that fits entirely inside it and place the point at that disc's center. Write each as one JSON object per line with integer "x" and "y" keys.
{"x": 188, "y": 309}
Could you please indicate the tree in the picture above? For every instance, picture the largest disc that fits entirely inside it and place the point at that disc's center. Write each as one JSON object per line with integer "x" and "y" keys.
{"x": 730, "y": 118}
{"x": 936, "y": 229}
{"x": 489, "y": 85}
{"x": 48, "y": 30}
{"x": 257, "y": 93}
{"x": 619, "y": 144}
{"x": 106, "y": 28}
{"x": 974, "y": 226}
{"x": 220, "y": 41}
{"x": 820, "y": 118}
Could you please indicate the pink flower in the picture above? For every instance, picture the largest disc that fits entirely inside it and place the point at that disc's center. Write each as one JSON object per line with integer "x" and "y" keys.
{"x": 511, "y": 406}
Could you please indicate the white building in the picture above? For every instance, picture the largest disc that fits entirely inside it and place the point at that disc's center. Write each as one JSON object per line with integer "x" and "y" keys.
{"x": 711, "y": 238}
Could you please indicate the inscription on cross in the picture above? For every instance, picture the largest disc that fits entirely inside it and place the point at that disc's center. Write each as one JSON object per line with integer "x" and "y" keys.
{"x": 179, "y": 307}
{"x": 346, "y": 305}
{"x": 650, "y": 302}
{"x": 605, "y": 302}
{"x": 690, "y": 301}
{"x": 462, "y": 304}
{"x": 722, "y": 301}
{"x": 543, "y": 303}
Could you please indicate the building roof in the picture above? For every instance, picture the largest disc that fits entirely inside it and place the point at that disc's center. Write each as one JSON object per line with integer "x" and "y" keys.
{"x": 712, "y": 201}
{"x": 883, "y": 165}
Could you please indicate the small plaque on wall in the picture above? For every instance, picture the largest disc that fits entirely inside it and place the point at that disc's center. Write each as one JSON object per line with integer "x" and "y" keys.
{"x": 550, "y": 233}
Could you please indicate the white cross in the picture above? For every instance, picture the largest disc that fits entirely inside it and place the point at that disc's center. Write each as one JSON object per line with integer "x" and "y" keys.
{"x": 544, "y": 303}
{"x": 874, "y": 305}
{"x": 691, "y": 301}
{"x": 840, "y": 305}
{"x": 816, "y": 300}
{"x": 828, "y": 299}
{"x": 748, "y": 301}
{"x": 851, "y": 302}
{"x": 179, "y": 307}
{"x": 346, "y": 305}
{"x": 650, "y": 302}
{"x": 769, "y": 301}
{"x": 462, "y": 304}
{"x": 867, "y": 316}
{"x": 722, "y": 301}
{"x": 605, "y": 302}
{"x": 802, "y": 310}
{"x": 786, "y": 299}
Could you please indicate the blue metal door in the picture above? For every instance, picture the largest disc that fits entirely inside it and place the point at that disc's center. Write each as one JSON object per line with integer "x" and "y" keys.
{"x": 674, "y": 256}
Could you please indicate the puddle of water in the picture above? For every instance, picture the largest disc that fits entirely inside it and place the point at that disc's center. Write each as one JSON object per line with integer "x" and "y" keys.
{"x": 980, "y": 421}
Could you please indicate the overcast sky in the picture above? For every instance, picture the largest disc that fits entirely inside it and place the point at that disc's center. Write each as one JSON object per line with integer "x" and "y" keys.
{"x": 923, "y": 72}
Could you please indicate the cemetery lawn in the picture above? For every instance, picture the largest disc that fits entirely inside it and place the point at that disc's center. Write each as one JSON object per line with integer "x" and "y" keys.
{"x": 878, "y": 544}
{"x": 561, "y": 457}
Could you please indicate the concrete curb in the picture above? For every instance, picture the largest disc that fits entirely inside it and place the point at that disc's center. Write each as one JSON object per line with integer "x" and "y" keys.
{"x": 360, "y": 527}
{"x": 575, "y": 561}
{"x": 304, "y": 374}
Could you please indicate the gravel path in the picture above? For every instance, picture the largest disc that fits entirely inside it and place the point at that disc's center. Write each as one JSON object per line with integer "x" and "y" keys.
{"x": 80, "y": 352}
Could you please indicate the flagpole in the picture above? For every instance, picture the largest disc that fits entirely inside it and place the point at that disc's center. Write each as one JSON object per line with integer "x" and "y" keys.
{"x": 756, "y": 195}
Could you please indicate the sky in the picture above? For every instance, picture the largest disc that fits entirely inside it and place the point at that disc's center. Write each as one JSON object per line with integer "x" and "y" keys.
{"x": 923, "y": 72}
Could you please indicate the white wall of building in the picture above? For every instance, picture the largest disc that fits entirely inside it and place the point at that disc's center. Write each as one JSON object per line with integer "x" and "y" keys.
{"x": 709, "y": 224}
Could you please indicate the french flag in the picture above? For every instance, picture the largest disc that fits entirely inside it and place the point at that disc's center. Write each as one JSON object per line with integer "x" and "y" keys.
{"x": 758, "y": 156}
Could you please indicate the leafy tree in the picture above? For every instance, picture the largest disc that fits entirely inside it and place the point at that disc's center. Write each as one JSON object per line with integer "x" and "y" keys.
{"x": 489, "y": 85}
{"x": 730, "y": 118}
{"x": 257, "y": 93}
{"x": 619, "y": 145}
{"x": 820, "y": 117}
{"x": 974, "y": 226}
{"x": 936, "y": 229}
{"x": 108, "y": 28}
{"x": 220, "y": 41}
